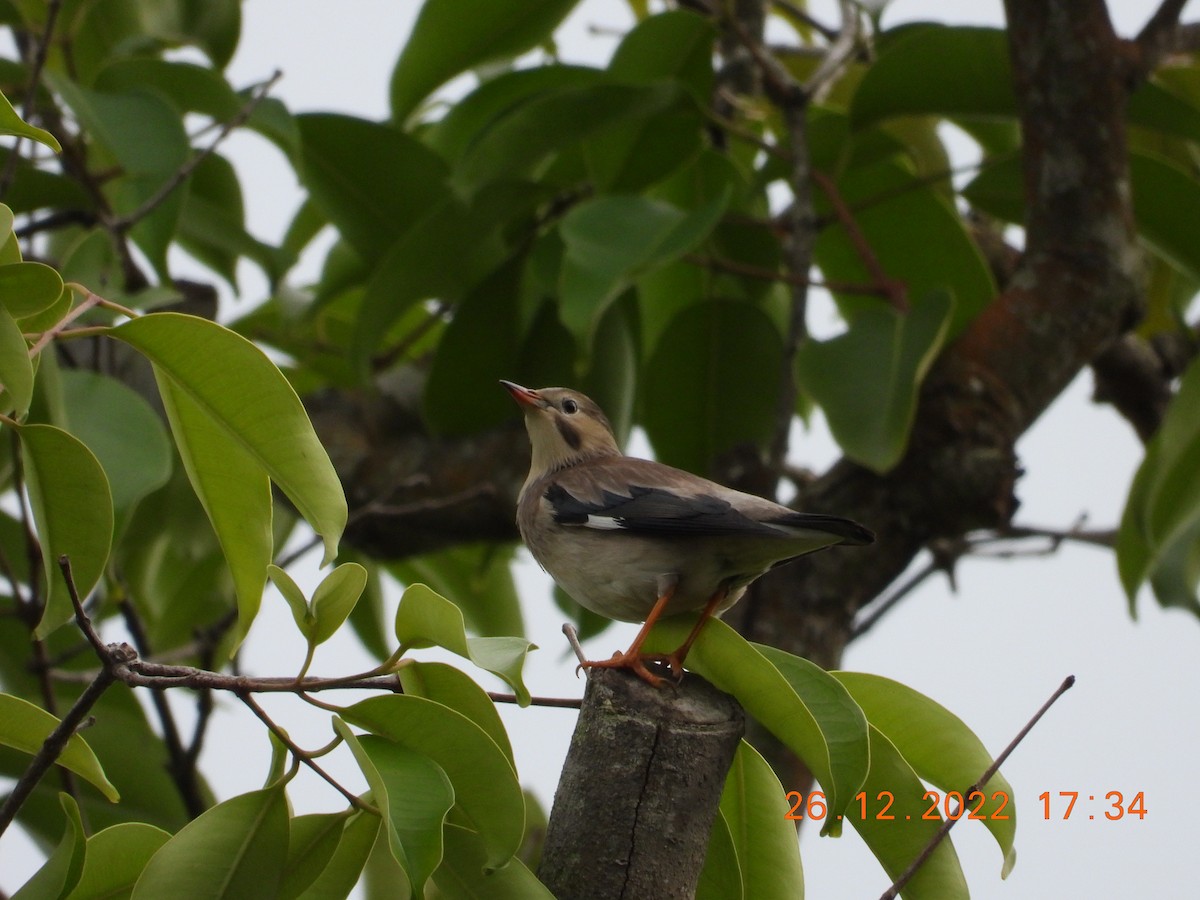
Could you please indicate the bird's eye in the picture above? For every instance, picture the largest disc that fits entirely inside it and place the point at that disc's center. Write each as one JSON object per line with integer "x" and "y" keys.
{"x": 570, "y": 407}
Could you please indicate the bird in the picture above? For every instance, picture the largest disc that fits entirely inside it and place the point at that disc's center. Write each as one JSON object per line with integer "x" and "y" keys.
{"x": 634, "y": 540}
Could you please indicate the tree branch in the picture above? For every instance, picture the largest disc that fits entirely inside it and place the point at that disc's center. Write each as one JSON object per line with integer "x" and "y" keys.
{"x": 122, "y": 224}
{"x": 898, "y": 885}
{"x": 1158, "y": 39}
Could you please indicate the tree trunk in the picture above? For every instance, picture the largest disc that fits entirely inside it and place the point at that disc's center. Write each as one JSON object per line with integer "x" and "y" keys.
{"x": 637, "y": 797}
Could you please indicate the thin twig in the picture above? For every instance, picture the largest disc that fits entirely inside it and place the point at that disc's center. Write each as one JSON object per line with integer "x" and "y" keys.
{"x": 57, "y": 741}
{"x": 878, "y": 610}
{"x": 124, "y": 223}
{"x": 551, "y": 702}
{"x": 180, "y": 764}
{"x": 53, "y": 747}
{"x": 894, "y": 290}
{"x": 898, "y": 885}
{"x": 750, "y": 271}
{"x": 137, "y": 672}
{"x": 1158, "y": 39}
{"x": 840, "y": 53}
{"x": 300, "y": 755}
{"x": 89, "y": 302}
{"x": 573, "y": 639}
{"x": 830, "y": 34}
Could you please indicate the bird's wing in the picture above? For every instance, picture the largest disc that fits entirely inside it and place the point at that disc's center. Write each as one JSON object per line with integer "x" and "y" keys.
{"x": 653, "y": 510}
{"x": 637, "y": 496}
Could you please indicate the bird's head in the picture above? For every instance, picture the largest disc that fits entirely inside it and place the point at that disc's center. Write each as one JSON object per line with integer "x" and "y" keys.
{"x": 565, "y": 427}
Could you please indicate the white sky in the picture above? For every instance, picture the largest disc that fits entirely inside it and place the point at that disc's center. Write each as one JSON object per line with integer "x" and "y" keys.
{"x": 992, "y": 654}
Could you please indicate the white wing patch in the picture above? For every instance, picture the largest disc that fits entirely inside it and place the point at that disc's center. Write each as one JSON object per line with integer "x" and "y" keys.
{"x": 604, "y": 523}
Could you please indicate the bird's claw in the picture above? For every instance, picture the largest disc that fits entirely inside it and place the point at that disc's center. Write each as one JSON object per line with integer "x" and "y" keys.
{"x": 636, "y": 662}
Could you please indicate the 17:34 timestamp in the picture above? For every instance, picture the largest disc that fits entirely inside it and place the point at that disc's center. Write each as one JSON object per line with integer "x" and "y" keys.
{"x": 1114, "y": 805}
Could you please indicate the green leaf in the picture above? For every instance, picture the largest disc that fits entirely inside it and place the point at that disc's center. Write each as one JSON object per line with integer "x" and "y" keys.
{"x": 448, "y": 250}
{"x": 12, "y": 123}
{"x": 73, "y": 514}
{"x": 451, "y": 36}
{"x": 335, "y": 597}
{"x": 60, "y": 873}
{"x": 918, "y": 239}
{"x": 346, "y": 866}
{"x": 611, "y": 240}
{"x": 232, "y": 487}
{"x": 1159, "y": 528}
{"x": 413, "y": 794}
{"x": 452, "y": 135}
{"x": 189, "y": 87}
{"x": 372, "y": 181}
{"x": 480, "y": 345}
{"x": 465, "y": 874}
{"x": 25, "y": 727}
{"x": 312, "y": 841}
{"x": 961, "y": 71}
{"x": 480, "y": 579}
{"x": 296, "y": 601}
{"x": 485, "y": 785}
{"x": 28, "y": 287}
{"x": 754, "y": 809}
{"x": 214, "y": 26}
{"x": 33, "y": 188}
{"x": 711, "y": 383}
{"x": 675, "y": 46}
{"x": 814, "y": 725}
{"x": 1166, "y": 199}
{"x": 212, "y": 224}
{"x": 115, "y": 859}
{"x": 142, "y": 134}
{"x": 521, "y": 139}
{"x": 897, "y": 841}
{"x": 16, "y": 370}
{"x": 126, "y": 435}
{"x": 427, "y": 619}
{"x": 941, "y": 749}
{"x": 867, "y": 379}
{"x": 451, "y": 687}
{"x": 836, "y": 711}
{"x": 235, "y": 849}
{"x": 721, "y": 877}
{"x": 242, "y": 390}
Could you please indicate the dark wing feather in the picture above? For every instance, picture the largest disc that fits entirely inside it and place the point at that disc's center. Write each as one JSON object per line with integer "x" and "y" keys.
{"x": 657, "y": 511}
{"x": 849, "y": 531}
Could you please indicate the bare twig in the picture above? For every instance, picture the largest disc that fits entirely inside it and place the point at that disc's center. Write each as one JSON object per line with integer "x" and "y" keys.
{"x": 839, "y": 54}
{"x": 573, "y": 639}
{"x": 876, "y": 611}
{"x": 181, "y": 765}
{"x": 1158, "y": 38}
{"x": 300, "y": 754}
{"x": 53, "y": 747}
{"x": 124, "y": 223}
{"x": 803, "y": 15}
{"x": 56, "y": 742}
{"x": 89, "y": 302}
{"x": 734, "y": 267}
{"x": 137, "y": 672}
{"x": 894, "y": 891}
{"x": 894, "y": 290}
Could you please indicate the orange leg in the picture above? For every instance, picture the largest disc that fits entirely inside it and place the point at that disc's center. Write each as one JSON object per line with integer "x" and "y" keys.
{"x": 676, "y": 659}
{"x": 634, "y": 659}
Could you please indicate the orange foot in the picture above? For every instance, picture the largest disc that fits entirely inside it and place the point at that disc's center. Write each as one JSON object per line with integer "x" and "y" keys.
{"x": 636, "y": 662}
